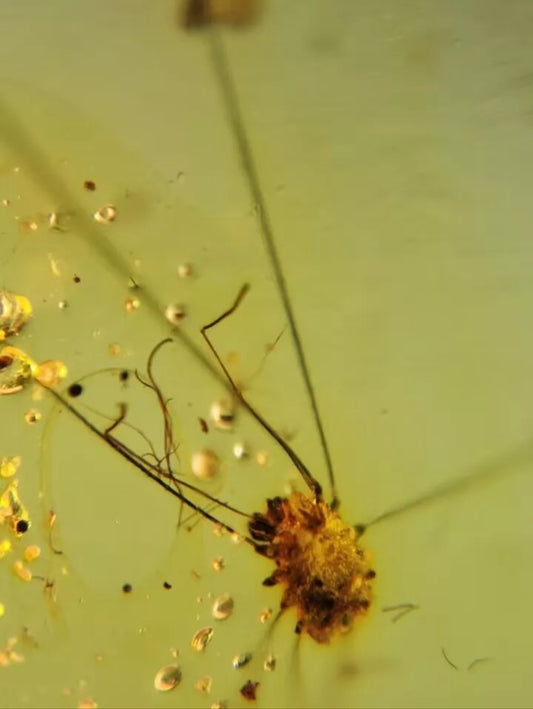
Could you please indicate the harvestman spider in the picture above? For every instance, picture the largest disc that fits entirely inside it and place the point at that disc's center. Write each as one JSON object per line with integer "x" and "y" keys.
{"x": 324, "y": 573}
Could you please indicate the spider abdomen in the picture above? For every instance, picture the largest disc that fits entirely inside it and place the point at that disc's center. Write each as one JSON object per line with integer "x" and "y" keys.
{"x": 324, "y": 573}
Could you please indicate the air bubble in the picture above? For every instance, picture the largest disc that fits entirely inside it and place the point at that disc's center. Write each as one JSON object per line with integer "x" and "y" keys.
{"x": 132, "y": 304}
{"x": 204, "y": 464}
{"x": 222, "y": 414}
{"x": 175, "y": 313}
{"x": 201, "y": 639}
{"x": 53, "y": 221}
{"x": 223, "y": 607}
{"x": 185, "y": 270}
{"x": 218, "y": 563}
{"x": 106, "y": 214}
{"x": 241, "y": 660}
{"x": 240, "y": 451}
{"x": 32, "y": 416}
{"x": 269, "y": 665}
{"x": 167, "y": 678}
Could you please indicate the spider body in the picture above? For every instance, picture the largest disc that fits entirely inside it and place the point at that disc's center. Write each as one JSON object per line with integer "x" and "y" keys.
{"x": 324, "y": 572}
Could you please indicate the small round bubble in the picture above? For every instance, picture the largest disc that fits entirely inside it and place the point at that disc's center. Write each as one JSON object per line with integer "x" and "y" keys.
{"x": 175, "y": 313}
{"x": 204, "y": 464}
{"x": 223, "y": 607}
{"x": 269, "y": 665}
{"x": 241, "y": 660}
{"x": 222, "y": 414}
{"x": 106, "y": 214}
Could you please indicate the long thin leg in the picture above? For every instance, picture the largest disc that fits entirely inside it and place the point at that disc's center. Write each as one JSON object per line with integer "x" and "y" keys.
{"x": 166, "y": 479}
{"x": 228, "y": 90}
{"x": 310, "y": 481}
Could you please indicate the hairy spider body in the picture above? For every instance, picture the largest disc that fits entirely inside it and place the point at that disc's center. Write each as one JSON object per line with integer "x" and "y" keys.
{"x": 324, "y": 573}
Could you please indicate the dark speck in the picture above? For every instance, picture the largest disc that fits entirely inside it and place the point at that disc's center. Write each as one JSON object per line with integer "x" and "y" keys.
{"x": 249, "y": 690}
{"x": 22, "y": 526}
{"x": 75, "y": 390}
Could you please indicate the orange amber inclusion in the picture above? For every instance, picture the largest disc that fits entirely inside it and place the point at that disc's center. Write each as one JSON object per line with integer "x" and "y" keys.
{"x": 324, "y": 573}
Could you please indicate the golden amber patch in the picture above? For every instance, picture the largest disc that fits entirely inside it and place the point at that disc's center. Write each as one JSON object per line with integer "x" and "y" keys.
{"x": 324, "y": 572}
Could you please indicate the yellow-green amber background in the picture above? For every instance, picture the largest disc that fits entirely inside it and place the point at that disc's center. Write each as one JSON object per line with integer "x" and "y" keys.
{"x": 393, "y": 142}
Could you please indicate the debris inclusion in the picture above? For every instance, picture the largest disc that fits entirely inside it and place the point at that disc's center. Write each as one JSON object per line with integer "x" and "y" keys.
{"x": 324, "y": 573}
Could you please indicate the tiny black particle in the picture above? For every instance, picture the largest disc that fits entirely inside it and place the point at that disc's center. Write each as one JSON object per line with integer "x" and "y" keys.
{"x": 75, "y": 389}
{"x": 76, "y": 279}
{"x": 166, "y": 584}
{"x": 124, "y": 375}
{"x": 89, "y": 185}
{"x": 127, "y": 588}
{"x": 22, "y": 526}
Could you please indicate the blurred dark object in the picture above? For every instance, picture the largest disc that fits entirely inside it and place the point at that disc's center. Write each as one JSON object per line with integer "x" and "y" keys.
{"x": 238, "y": 13}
